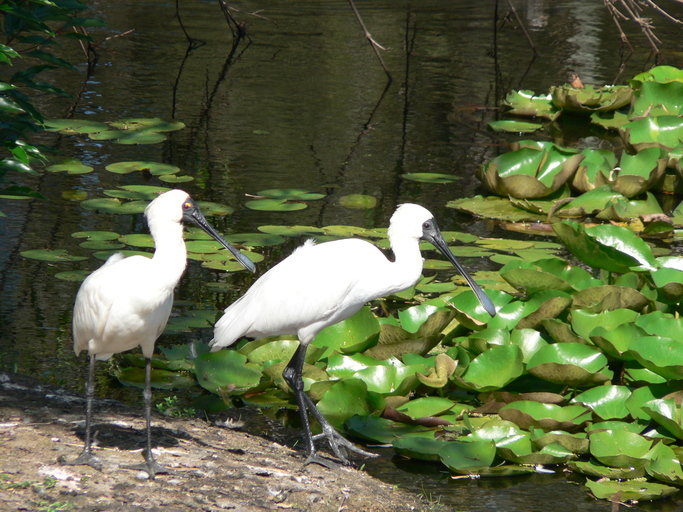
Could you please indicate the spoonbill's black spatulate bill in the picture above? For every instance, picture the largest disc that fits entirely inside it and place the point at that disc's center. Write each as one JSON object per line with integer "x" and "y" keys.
{"x": 320, "y": 285}
{"x": 127, "y": 301}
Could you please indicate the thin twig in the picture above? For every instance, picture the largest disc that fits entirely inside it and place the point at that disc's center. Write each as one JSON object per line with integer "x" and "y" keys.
{"x": 194, "y": 43}
{"x": 519, "y": 21}
{"x": 375, "y": 45}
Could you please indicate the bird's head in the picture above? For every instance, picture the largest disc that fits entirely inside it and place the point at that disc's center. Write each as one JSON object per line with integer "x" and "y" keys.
{"x": 413, "y": 221}
{"x": 176, "y": 206}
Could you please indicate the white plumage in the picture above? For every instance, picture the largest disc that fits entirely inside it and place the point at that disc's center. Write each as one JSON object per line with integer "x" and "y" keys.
{"x": 127, "y": 301}
{"x": 320, "y": 285}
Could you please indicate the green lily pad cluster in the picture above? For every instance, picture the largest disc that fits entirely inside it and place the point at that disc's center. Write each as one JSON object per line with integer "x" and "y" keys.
{"x": 165, "y": 172}
{"x": 124, "y": 131}
{"x": 646, "y": 114}
{"x": 578, "y": 371}
{"x": 282, "y": 200}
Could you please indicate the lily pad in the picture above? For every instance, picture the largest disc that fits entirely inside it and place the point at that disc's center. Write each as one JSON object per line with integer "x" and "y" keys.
{"x": 619, "y": 448}
{"x": 595, "y": 169}
{"x": 527, "y": 103}
{"x": 610, "y": 247}
{"x": 607, "y": 402}
{"x": 548, "y": 417}
{"x": 591, "y": 99}
{"x": 430, "y": 177}
{"x": 468, "y": 457}
{"x": 533, "y": 169}
{"x": 508, "y": 125}
{"x": 493, "y": 369}
{"x": 629, "y": 490}
{"x": 154, "y": 168}
{"x": 351, "y": 335}
{"x": 70, "y": 166}
{"x": 572, "y": 364}
{"x": 51, "y": 255}
{"x": 358, "y": 202}
{"x": 226, "y": 372}
{"x": 345, "y": 399}
{"x": 274, "y": 205}
{"x": 73, "y": 126}
{"x": 492, "y": 207}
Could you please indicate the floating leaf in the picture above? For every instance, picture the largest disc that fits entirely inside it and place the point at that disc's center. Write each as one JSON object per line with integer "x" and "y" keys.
{"x": 508, "y": 125}
{"x": 572, "y": 364}
{"x": 494, "y": 208}
{"x": 591, "y": 99}
{"x": 70, "y": 166}
{"x": 595, "y": 169}
{"x": 547, "y": 417}
{"x": 154, "y": 168}
{"x": 629, "y": 490}
{"x": 527, "y": 103}
{"x": 291, "y": 193}
{"x": 73, "y": 126}
{"x": 274, "y": 205}
{"x": 227, "y": 371}
{"x": 420, "y": 448}
{"x": 358, "y": 202}
{"x": 664, "y": 356}
{"x": 610, "y": 247}
{"x": 430, "y": 177}
{"x": 468, "y": 457}
{"x": 96, "y": 235}
{"x": 52, "y": 255}
{"x": 72, "y": 275}
{"x": 662, "y": 131}
{"x": 344, "y": 400}
{"x": 619, "y": 448}
{"x": 351, "y": 335}
{"x": 533, "y": 169}
{"x": 493, "y": 369}
{"x": 608, "y": 402}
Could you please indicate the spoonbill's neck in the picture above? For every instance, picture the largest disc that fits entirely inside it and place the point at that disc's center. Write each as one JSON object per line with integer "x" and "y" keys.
{"x": 406, "y": 269}
{"x": 170, "y": 255}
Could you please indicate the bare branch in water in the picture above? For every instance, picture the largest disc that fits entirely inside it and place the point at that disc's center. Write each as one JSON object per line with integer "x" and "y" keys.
{"x": 375, "y": 45}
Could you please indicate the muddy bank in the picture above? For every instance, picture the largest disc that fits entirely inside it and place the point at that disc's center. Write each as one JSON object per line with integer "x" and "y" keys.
{"x": 215, "y": 468}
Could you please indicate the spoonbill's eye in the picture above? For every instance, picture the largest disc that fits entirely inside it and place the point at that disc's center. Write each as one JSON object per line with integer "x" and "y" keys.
{"x": 427, "y": 225}
{"x": 187, "y": 205}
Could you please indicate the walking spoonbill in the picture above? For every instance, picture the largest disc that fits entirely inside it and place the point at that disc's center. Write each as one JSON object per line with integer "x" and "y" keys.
{"x": 320, "y": 285}
{"x": 127, "y": 301}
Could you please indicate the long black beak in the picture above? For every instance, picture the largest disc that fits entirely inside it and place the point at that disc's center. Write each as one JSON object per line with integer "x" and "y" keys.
{"x": 194, "y": 215}
{"x": 432, "y": 234}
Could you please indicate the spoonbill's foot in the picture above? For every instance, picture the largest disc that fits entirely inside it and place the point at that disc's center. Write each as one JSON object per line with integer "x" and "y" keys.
{"x": 86, "y": 458}
{"x": 151, "y": 467}
{"x": 314, "y": 458}
{"x": 340, "y": 445}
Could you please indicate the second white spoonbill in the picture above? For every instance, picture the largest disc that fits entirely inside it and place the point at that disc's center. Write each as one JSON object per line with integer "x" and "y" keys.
{"x": 320, "y": 285}
{"x": 127, "y": 301}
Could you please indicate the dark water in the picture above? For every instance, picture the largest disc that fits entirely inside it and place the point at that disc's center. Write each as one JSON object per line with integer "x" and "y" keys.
{"x": 304, "y": 104}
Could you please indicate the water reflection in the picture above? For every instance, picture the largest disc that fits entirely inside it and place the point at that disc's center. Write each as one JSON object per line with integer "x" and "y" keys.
{"x": 305, "y": 105}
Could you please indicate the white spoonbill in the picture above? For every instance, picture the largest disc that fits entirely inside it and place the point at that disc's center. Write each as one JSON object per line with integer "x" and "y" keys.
{"x": 320, "y": 285}
{"x": 127, "y": 301}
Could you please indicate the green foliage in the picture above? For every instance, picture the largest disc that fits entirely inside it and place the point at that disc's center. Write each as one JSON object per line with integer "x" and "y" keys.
{"x": 33, "y": 28}
{"x": 545, "y": 185}
{"x": 577, "y": 370}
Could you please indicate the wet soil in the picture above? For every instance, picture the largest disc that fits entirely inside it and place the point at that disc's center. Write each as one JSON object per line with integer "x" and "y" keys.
{"x": 215, "y": 468}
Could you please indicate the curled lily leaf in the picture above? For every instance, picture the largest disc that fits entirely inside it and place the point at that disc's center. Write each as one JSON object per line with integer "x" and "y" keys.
{"x": 595, "y": 170}
{"x": 532, "y": 169}
{"x": 527, "y": 103}
{"x": 591, "y": 99}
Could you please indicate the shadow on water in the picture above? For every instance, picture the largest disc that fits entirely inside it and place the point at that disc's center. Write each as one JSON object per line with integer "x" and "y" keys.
{"x": 300, "y": 103}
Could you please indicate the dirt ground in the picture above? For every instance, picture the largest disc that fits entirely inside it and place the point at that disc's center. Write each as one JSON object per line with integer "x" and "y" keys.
{"x": 216, "y": 468}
